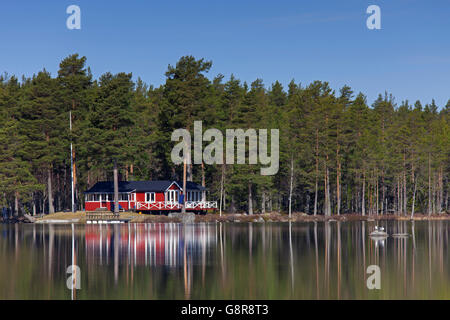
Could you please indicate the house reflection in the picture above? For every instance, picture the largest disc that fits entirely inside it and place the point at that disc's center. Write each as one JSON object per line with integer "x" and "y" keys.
{"x": 153, "y": 244}
{"x": 317, "y": 260}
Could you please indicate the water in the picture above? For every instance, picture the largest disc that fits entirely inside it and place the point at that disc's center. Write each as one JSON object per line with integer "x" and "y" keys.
{"x": 224, "y": 261}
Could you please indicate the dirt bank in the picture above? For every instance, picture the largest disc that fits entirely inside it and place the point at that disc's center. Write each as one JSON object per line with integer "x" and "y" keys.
{"x": 80, "y": 217}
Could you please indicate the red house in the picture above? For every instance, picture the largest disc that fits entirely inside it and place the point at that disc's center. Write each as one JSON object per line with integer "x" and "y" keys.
{"x": 148, "y": 196}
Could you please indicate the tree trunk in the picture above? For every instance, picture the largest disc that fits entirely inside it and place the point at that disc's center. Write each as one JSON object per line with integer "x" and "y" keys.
{"x": 224, "y": 204}
{"x": 429, "y": 185}
{"x": 221, "y": 190}
{"x": 316, "y": 197}
{"x": 376, "y": 194}
{"x": 316, "y": 190}
{"x": 400, "y": 194}
{"x": 250, "y": 199}
{"x": 263, "y": 202}
{"x": 116, "y": 189}
{"x": 328, "y": 192}
{"x": 51, "y": 208}
{"x": 74, "y": 167}
{"x": 441, "y": 190}
{"x": 405, "y": 195}
{"x": 16, "y": 204}
{"x": 232, "y": 205}
{"x": 34, "y": 203}
{"x": 189, "y": 167}
{"x": 363, "y": 198}
{"x": 308, "y": 200}
{"x": 74, "y": 179}
{"x": 434, "y": 194}
{"x": 203, "y": 182}
{"x": 327, "y": 204}
{"x": 338, "y": 182}
{"x": 183, "y": 208}
{"x": 414, "y": 197}
{"x": 291, "y": 186}
{"x": 383, "y": 207}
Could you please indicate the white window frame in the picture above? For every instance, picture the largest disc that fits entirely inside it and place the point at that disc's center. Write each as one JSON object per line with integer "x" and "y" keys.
{"x": 172, "y": 195}
{"x": 151, "y": 197}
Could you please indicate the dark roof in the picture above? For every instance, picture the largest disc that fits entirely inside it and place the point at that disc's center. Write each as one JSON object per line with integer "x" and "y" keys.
{"x": 191, "y": 185}
{"x": 141, "y": 186}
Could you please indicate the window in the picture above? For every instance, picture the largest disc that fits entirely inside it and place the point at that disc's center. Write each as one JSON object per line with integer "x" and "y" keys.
{"x": 172, "y": 196}
{"x": 93, "y": 197}
{"x": 150, "y": 197}
{"x": 123, "y": 196}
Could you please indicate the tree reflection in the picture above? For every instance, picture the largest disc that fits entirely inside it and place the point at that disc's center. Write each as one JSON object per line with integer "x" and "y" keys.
{"x": 225, "y": 261}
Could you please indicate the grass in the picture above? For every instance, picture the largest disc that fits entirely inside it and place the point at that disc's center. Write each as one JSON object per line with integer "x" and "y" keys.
{"x": 276, "y": 217}
{"x": 78, "y": 215}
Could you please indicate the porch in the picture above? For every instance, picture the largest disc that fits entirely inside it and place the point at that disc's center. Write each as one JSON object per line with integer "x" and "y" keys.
{"x": 167, "y": 205}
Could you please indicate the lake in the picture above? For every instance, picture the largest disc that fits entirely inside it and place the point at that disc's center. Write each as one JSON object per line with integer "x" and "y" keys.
{"x": 322, "y": 260}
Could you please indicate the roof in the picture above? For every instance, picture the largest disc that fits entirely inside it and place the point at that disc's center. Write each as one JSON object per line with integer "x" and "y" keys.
{"x": 141, "y": 186}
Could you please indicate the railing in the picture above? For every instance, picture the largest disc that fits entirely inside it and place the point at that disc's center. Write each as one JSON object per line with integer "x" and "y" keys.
{"x": 201, "y": 204}
{"x": 161, "y": 205}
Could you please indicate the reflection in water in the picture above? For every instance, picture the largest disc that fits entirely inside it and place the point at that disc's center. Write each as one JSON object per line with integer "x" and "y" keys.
{"x": 225, "y": 261}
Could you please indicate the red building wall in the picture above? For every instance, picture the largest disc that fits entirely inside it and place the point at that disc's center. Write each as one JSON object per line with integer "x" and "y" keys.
{"x": 139, "y": 196}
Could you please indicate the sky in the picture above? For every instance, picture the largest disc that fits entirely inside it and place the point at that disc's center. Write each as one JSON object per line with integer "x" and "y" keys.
{"x": 304, "y": 40}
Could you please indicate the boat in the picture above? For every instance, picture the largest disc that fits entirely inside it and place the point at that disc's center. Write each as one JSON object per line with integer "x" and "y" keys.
{"x": 378, "y": 232}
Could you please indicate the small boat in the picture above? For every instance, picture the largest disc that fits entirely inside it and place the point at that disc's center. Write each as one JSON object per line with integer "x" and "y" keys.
{"x": 378, "y": 232}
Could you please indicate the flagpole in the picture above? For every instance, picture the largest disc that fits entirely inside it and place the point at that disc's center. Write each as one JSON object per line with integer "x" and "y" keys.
{"x": 74, "y": 275}
{"x": 71, "y": 162}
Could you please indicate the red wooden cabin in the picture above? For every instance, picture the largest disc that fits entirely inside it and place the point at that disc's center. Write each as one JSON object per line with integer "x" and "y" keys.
{"x": 148, "y": 196}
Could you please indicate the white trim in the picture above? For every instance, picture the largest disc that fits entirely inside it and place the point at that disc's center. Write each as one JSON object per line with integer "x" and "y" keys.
{"x": 201, "y": 205}
{"x": 150, "y": 197}
{"x": 159, "y": 205}
{"x": 172, "y": 199}
{"x": 176, "y": 184}
{"x": 192, "y": 205}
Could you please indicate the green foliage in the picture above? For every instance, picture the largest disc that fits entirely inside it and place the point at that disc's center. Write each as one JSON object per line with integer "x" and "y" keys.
{"x": 343, "y": 155}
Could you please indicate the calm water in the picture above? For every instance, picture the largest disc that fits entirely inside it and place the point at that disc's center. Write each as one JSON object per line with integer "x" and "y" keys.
{"x": 224, "y": 261}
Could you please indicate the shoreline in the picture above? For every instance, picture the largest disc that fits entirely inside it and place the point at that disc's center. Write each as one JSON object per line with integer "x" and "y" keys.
{"x": 80, "y": 218}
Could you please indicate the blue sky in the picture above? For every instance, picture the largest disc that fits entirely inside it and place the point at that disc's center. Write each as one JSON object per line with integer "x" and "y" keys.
{"x": 274, "y": 40}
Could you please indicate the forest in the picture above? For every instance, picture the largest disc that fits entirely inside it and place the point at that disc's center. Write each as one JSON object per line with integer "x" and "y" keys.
{"x": 339, "y": 154}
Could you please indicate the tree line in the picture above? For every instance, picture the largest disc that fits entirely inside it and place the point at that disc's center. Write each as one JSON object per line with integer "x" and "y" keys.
{"x": 338, "y": 154}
